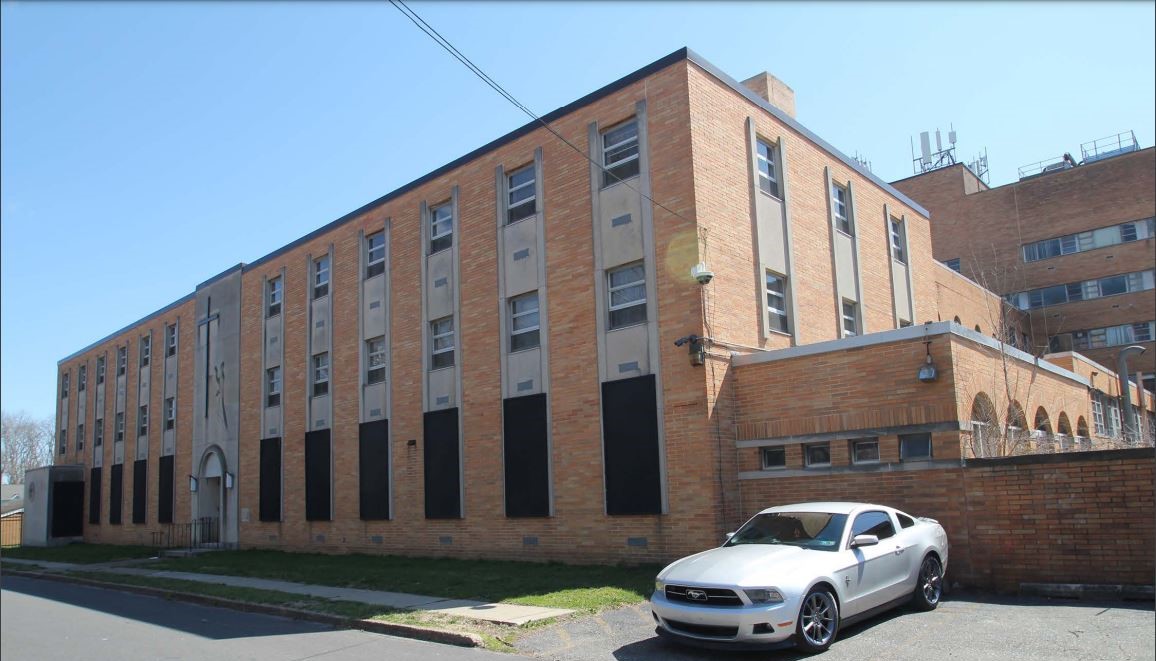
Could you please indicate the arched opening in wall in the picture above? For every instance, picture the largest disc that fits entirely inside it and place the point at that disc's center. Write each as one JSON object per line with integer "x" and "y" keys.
{"x": 1018, "y": 436}
{"x": 1043, "y": 422}
{"x": 957, "y": 320}
{"x": 977, "y": 329}
{"x": 1064, "y": 432}
{"x": 1082, "y": 427}
{"x": 984, "y": 427}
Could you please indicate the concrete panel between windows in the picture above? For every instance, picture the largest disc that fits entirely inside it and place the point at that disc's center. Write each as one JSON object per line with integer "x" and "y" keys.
{"x": 443, "y": 389}
{"x": 440, "y": 284}
{"x": 899, "y": 286}
{"x": 271, "y": 422}
{"x": 627, "y": 352}
{"x": 169, "y": 442}
{"x": 273, "y": 342}
{"x": 118, "y": 452}
{"x": 100, "y": 399}
{"x": 525, "y": 373}
{"x": 319, "y": 412}
{"x": 170, "y": 384}
{"x": 845, "y": 267}
{"x": 319, "y": 322}
{"x": 620, "y": 213}
{"x": 143, "y": 385}
{"x": 373, "y": 306}
{"x": 521, "y": 256}
{"x": 772, "y": 234}
{"x": 375, "y": 402}
{"x": 121, "y": 389}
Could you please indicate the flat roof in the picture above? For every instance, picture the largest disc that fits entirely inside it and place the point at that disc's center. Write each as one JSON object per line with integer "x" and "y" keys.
{"x": 650, "y": 69}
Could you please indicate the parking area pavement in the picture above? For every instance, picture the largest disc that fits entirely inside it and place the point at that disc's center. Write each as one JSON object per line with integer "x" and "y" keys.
{"x": 965, "y": 626}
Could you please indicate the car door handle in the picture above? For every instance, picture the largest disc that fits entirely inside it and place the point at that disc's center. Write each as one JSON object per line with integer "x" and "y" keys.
{"x": 899, "y": 550}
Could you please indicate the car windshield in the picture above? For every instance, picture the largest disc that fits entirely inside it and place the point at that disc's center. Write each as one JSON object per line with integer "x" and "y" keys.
{"x": 811, "y": 530}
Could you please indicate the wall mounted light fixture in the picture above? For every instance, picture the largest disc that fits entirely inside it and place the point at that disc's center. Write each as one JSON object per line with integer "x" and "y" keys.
{"x": 228, "y": 480}
{"x": 192, "y": 484}
{"x": 927, "y": 371}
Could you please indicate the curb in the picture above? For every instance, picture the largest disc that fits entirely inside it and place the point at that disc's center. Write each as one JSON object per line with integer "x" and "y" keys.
{"x": 1089, "y": 591}
{"x": 373, "y": 626}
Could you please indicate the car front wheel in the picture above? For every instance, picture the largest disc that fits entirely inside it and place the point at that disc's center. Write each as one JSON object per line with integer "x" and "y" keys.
{"x": 929, "y": 588}
{"x": 818, "y": 621}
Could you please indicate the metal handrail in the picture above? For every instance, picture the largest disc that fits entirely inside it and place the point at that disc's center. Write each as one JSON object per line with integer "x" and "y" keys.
{"x": 194, "y": 534}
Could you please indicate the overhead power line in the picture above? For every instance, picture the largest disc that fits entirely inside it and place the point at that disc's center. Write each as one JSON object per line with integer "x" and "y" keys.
{"x": 477, "y": 71}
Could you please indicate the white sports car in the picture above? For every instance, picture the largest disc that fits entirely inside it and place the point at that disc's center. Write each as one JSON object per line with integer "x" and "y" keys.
{"x": 797, "y": 573}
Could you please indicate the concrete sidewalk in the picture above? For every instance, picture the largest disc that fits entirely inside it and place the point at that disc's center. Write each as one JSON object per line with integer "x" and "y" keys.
{"x": 493, "y": 612}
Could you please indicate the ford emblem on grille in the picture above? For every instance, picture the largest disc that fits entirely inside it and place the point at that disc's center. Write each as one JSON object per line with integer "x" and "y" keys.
{"x": 696, "y": 595}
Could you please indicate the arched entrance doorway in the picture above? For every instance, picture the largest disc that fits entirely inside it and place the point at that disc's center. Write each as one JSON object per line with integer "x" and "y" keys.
{"x": 210, "y": 496}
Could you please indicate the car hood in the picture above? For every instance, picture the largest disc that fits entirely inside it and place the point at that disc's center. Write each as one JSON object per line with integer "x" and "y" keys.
{"x": 746, "y": 565}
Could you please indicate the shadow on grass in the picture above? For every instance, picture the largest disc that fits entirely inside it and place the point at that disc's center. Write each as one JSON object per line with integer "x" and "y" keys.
{"x": 580, "y": 587}
{"x": 84, "y": 554}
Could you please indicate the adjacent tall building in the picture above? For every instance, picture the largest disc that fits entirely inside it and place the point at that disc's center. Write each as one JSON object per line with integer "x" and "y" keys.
{"x": 510, "y": 356}
{"x": 1073, "y": 243}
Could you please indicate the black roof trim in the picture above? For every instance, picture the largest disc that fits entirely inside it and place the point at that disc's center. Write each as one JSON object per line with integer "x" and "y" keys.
{"x": 794, "y": 124}
{"x": 650, "y": 69}
{"x": 168, "y": 308}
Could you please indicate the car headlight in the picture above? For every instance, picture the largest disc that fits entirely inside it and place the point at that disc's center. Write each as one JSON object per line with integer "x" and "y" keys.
{"x": 764, "y": 596}
{"x": 659, "y": 586}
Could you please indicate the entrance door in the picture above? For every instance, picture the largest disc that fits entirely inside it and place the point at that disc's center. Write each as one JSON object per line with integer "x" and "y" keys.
{"x": 210, "y": 496}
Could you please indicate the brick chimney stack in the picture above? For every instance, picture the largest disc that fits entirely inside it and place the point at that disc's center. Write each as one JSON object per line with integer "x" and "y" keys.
{"x": 775, "y": 91}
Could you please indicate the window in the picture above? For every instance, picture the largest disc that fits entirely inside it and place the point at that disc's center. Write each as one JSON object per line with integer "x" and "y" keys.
{"x": 818, "y": 454}
{"x": 441, "y": 228}
{"x": 521, "y": 195}
{"x": 121, "y": 361}
{"x": 774, "y": 458}
{"x": 82, "y": 378}
{"x": 850, "y": 319}
{"x": 952, "y": 264}
{"x": 1081, "y": 291}
{"x": 768, "y": 175}
{"x": 898, "y": 241}
{"x": 904, "y": 520}
{"x": 118, "y": 434}
{"x": 620, "y": 153}
{"x": 274, "y": 295}
{"x": 100, "y": 370}
{"x": 273, "y": 386}
{"x": 146, "y": 350}
{"x": 1098, "y": 338}
{"x": 1090, "y": 240}
{"x": 840, "y": 208}
{"x": 524, "y": 326}
{"x": 865, "y": 451}
{"x": 777, "y": 302}
{"x": 627, "y": 295}
{"x": 65, "y": 383}
{"x": 375, "y": 360}
{"x": 63, "y": 441}
{"x": 321, "y": 276}
{"x": 321, "y": 374}
{"x": 442, "y": 332}
{"x": 80, "y": 437}
{"x": 98, "y": 433}
{"x": 171, "y": 340}
{"x": 142, "y": 420}
{"x": 374, "y": 255}
{"x": 914, "y": 447}
{"x": 1098, "y": 414}
{"x": 170, "y": 413}
{"x": 873, "y": 523}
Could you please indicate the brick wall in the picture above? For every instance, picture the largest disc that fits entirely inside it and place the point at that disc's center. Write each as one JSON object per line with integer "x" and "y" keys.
{"x": 1077, "y": 518}
{"x": 985, "y": 228}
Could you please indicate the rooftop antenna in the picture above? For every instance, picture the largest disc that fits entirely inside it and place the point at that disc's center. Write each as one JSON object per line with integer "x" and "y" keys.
{"x": 979, "y": 167}
{"x": 862, "y": 161}
{"x": 933, "y": 160}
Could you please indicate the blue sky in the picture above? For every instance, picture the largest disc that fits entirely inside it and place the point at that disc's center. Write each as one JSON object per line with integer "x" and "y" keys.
{"x": 145, "y": 147}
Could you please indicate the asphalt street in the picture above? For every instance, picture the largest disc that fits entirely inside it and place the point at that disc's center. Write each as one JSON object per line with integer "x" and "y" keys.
{"x": 46, "y": 620}
{"x": 965, "y": 627}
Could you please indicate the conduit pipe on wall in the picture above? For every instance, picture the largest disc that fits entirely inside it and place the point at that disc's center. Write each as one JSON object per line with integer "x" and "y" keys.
{"x": 1131, "y": 429}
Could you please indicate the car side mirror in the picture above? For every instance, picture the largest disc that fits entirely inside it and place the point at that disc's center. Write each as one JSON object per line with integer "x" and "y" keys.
{"x": 864, "y": 540}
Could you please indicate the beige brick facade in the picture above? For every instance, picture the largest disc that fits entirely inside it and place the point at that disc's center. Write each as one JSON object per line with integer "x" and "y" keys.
{"x": 700, "y": 178}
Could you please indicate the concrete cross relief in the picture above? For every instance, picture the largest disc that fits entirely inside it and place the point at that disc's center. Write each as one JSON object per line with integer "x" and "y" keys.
{"x": 218, "y": 426}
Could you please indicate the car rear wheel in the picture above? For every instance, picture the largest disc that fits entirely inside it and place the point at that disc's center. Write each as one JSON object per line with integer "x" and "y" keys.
{"x": 929, "y": 588}
{"x": 818, "y": 621}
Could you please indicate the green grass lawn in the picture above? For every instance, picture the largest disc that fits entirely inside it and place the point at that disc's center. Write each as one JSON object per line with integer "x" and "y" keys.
{"x": 80, "y": 553}
{"x": 584, "y": 588}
